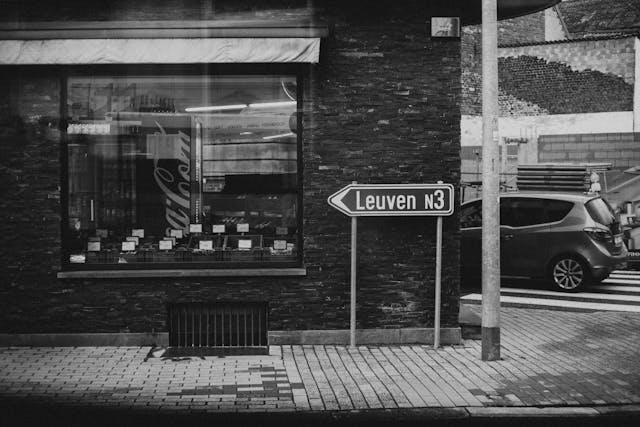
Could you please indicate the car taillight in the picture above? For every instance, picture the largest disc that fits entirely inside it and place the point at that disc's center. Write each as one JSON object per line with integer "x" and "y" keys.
{"x": 599, "y": 234}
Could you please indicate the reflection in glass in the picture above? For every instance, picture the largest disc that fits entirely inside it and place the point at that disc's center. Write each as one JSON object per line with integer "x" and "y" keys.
{"x": 182, "y": 170}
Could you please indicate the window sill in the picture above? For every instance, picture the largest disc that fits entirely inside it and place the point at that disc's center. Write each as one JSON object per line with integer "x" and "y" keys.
{"x": 230, "y": 272}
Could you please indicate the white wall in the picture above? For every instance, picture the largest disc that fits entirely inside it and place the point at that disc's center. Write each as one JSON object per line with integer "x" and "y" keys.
{"x": 553, "y": 28}
{"x": 547, "y": 124}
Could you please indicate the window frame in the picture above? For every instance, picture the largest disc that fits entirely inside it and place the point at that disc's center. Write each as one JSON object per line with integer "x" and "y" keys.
{"x": 298, "y": 71}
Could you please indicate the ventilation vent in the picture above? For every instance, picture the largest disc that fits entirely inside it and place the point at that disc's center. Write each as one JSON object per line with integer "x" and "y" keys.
{"x": 227, "y": 327}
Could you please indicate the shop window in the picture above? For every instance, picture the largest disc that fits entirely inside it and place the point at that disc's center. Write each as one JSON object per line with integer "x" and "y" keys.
{"x": 197, "y": 171}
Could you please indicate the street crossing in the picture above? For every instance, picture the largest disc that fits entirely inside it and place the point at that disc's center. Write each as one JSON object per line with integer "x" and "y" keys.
{"x": 619, "y": 292}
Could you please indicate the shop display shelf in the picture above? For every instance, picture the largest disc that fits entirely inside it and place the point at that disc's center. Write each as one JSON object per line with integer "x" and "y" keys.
{"x": 215, "y": 255}
{"x": 243, "y": 255}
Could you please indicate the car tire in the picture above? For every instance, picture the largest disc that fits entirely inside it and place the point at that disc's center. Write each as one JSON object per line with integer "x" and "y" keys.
{"x": 569, "y": 273}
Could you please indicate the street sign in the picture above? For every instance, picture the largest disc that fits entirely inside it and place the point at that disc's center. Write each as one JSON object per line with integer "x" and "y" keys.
{"x": 394, "y": 200}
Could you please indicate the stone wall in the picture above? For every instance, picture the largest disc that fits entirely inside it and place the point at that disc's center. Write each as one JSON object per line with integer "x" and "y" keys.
{"x": 381, "y": 107}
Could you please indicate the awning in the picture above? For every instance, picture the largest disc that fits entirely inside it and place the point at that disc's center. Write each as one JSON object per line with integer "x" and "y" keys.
{"x": 160, "y": 51}
{"x": 161, "y": 42}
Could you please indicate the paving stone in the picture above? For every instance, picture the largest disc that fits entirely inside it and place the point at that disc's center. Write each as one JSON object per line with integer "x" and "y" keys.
{"x": 549, "y": 359}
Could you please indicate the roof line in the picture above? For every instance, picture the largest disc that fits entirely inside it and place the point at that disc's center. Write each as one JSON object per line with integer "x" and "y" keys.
{"x": 578, "y": 40}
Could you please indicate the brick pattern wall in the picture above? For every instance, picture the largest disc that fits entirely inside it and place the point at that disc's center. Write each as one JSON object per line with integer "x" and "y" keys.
{"x": 622, "y": 150}
{"x": 30, "y": 203}
{"x": 558, "y": 89}
{"x": 509, "y": 105}
{"x": 533, "y": 81}
{"x": 615, "y": 56}
{"x": 382, "y": 106}
{"x": 526, "y": 29}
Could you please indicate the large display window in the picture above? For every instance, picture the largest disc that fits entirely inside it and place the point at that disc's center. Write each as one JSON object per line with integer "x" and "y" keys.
{"x": 197, "y": 171}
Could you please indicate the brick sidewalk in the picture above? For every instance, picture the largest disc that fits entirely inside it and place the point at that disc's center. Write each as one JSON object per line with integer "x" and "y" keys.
{"x": 550, "y": 358}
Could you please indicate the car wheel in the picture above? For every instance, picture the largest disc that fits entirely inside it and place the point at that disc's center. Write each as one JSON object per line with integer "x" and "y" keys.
{"x": 569, "y": 274}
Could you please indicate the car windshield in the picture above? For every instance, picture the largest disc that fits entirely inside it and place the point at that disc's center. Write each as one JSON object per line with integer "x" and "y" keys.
{"x": 601, "y": 211}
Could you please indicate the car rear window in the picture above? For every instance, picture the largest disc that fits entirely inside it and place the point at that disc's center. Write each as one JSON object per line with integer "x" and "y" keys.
{"x": 600, "y": 211}
{"x": 521, "y": 212}
{"x": 558, "y": 209}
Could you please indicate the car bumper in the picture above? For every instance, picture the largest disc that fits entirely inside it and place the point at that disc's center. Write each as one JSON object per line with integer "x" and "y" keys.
{"x": 603, "y": 268}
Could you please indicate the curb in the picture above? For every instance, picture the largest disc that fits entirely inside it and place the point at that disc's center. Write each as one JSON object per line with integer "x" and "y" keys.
{"x": 20, "y": 412}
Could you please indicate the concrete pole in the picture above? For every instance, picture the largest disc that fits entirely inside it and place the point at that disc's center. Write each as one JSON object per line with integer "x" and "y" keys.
{"x": 490, "y": 185}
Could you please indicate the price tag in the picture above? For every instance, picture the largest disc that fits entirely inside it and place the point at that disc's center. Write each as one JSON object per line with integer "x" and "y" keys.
{"x": 93, "y": 246}
{"x": 280, "y": 245}
{"x": 205, "y": 245}
{"x": 242, "y": 228}
{"x": 77, "y": 259}
{"x": 134, "y": 239}
{"x": 166, "y": 245}
{"x": 177, "y": 233}
{"x": 218, "y": 228}
{"x": 128, "y": 246}
{"x": 101, "y": 232}
{"x": 195, "y": 228}
{"x": 138, "y": 232}
{"x": 244, "y": 244}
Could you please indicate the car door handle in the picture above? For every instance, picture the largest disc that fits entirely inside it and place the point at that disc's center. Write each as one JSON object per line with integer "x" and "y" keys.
{"x": 506, "y": 237}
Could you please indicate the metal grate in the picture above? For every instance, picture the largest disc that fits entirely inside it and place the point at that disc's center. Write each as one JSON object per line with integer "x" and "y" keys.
{"x": 217, "y": 325}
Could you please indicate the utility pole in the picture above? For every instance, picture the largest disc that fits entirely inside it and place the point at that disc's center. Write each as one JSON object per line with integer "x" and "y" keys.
{"x": 490, "y": 185}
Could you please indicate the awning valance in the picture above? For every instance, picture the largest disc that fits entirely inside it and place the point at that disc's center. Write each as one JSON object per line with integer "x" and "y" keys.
{"x": 160, "y": 51}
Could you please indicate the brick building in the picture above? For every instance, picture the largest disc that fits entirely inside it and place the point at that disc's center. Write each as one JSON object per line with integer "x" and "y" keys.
{"x": 568, "y": 90}
{"x": 176, "y": 157}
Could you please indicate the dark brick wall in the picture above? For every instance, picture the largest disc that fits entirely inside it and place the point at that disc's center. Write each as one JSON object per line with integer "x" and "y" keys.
{"x": 382, "y": 106}
{"x": 29, "y": 183}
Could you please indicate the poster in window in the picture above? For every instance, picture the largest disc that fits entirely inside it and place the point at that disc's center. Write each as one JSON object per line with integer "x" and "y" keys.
{"x": 164, "y": 175}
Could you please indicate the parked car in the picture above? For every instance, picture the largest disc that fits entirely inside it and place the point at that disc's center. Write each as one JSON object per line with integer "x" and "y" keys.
{"x": 570, "y": 240}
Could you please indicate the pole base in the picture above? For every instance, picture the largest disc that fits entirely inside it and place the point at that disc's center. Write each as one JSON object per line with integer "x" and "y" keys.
{"x": 490, "y": 343}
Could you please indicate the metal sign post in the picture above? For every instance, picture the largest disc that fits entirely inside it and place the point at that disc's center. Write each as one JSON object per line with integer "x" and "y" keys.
{"x": 354, "y": 265}
{"x": 436, "y": 332}
{"x": 354, "y": 233}
{"x": 357, "y": 200}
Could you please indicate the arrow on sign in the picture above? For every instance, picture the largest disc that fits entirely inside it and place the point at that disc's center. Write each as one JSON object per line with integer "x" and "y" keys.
{"x": 394, "y": 200}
